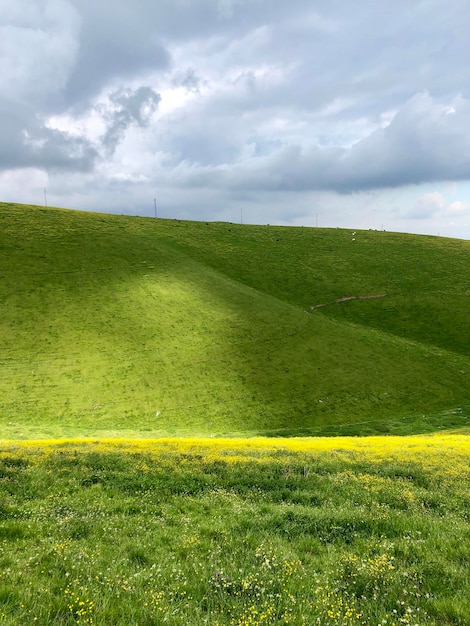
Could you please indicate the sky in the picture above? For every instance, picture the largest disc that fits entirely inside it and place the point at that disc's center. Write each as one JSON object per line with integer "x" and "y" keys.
{"x": 326, "y": 113}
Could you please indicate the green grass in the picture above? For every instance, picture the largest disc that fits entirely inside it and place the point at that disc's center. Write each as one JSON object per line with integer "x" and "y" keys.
{"x": 425, "y": 279}
{"x": 234, "y": 534}
{"x": 116, "y": 325}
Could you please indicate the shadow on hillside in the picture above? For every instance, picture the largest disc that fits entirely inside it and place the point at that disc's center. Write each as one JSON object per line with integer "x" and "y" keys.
{"x": 455, "y": 420}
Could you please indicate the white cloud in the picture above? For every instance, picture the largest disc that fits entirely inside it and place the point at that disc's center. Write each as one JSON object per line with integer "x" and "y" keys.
{"x": 24, "y": 185}
{"x": 436, "y": 203}
{"x": 427, "y": 205}
{"x": 458, "y": 209}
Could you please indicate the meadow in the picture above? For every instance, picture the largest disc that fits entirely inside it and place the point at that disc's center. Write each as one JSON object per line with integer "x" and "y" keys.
{"x": 335, "y": 531}
{"x": 231, "y": 425}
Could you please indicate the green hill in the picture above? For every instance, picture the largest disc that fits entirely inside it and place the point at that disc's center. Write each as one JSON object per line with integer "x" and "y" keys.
{"x": 116, "y": 325}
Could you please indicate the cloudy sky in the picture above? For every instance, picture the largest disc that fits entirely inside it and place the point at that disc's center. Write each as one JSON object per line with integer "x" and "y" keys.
{"x": 328, "y": 112}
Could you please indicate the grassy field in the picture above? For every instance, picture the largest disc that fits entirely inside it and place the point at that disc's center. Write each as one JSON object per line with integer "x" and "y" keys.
{"x": 113, "y": 325}
{"x": 335, "y": 531}
{"x": 117, "y": 330}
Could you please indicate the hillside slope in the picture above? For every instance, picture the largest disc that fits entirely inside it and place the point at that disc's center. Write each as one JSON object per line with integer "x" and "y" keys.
{"x": 425, "y": 279}
{"x": 116, "y": 325}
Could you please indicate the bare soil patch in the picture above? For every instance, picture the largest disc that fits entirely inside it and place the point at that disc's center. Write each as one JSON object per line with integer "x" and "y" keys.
{"x": 346, "y": 298}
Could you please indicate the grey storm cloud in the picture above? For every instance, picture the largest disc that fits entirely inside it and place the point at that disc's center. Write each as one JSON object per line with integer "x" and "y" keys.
{"x": 129, "y": 107}
{"x": 125, "y": 40}
{"x": 38, "y": 46}
{"x": 58, "y": 151}
{"x": 27, "y": 142}
{"x": 117, "y": 42}
{"x": 425, "y": 141}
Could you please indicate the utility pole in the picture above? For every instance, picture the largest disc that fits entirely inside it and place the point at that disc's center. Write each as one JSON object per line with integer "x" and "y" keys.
{"x": 155, "y": 206}
{"x": 241, "y": 216}
{"x": 45, "y": 197}
{"x": 316, "y": 219}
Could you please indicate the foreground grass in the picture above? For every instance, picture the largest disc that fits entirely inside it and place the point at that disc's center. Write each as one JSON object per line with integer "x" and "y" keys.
{"x": 336, "y": 531}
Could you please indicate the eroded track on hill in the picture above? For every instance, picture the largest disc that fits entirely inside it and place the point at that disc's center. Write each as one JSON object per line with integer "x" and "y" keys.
{"x": 346, "y": 298}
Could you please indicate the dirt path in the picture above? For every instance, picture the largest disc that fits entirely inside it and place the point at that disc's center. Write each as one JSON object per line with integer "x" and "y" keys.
{"x": 346, "y": 298}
